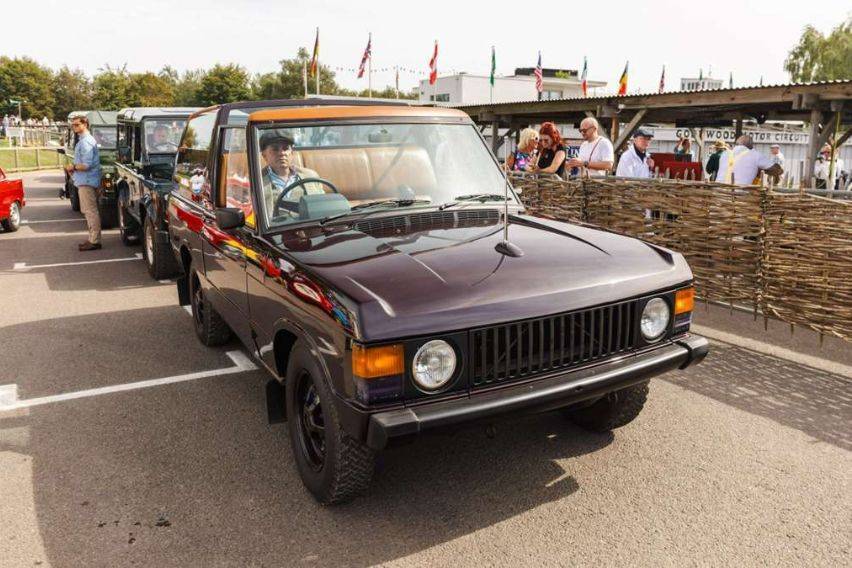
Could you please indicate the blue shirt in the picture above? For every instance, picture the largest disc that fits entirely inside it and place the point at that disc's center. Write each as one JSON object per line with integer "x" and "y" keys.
{"x": 86, "y": 152}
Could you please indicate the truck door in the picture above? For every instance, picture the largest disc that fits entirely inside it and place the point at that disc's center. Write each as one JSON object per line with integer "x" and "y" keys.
{"x": 225, "y": 252}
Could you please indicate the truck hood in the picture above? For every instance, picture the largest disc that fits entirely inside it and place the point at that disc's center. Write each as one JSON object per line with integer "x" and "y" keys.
{"x": 439, "y": 277}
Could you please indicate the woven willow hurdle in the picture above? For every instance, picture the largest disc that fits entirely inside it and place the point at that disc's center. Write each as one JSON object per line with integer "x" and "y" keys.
{"x": 788, "y": 256}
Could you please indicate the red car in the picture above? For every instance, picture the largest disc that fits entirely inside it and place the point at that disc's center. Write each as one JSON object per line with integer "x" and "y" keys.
{"x": 11, "y": 201}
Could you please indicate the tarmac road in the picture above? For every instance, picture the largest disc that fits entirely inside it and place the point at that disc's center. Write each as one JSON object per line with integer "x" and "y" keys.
{"x": 744, "y": 460}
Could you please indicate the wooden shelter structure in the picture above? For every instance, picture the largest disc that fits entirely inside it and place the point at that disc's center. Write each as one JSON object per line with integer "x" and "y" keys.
{"x": 825, "y": 106}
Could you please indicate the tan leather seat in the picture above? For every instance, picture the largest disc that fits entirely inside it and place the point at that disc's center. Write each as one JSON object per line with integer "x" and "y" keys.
{"x": 372, "y": 172}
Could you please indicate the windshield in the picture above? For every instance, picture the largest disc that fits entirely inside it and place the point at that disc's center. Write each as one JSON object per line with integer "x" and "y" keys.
{"x": 410, "y": 165}
{"x": 104, "y": 136}
{"x": 162, "y": 135}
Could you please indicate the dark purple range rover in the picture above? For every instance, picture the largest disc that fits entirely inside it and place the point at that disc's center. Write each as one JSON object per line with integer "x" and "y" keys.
{"x": 374, "y": 260}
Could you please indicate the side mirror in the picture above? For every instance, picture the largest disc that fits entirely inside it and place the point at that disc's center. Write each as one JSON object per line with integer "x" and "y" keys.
{"x": 60, "y": 151}
{"x": 228, "y": 218}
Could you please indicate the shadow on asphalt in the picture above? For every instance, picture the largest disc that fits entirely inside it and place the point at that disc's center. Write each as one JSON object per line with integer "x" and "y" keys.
{"x": 191, "y": 474}
{"x": 812, "y": 401}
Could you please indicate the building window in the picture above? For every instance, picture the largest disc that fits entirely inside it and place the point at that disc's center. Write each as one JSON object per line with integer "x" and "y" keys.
{"x": 550, "y": 95}
{"x": 440, "y": 98}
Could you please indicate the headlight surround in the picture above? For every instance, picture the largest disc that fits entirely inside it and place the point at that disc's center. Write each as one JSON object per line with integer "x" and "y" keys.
{"x": 433, "y": 365}
{"x": 655, "y": 319}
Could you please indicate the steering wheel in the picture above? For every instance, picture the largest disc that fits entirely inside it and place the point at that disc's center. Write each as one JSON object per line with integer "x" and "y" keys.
{"x": 280, "y": 203}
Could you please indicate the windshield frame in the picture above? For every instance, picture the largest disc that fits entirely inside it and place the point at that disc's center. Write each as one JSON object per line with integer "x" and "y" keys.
{"x": 256, "y": 167}
{"x": 154, "y": 118}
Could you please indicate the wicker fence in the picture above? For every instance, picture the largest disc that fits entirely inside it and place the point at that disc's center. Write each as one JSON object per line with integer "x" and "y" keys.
{"x": 784, "y": 255}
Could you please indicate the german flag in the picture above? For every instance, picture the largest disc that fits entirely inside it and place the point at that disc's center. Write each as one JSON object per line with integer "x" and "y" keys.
{"x": 622, "y": 83}
{"x": 315, "y": 59}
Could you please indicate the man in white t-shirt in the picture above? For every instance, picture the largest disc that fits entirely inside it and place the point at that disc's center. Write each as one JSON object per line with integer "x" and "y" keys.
{"x": 635, "y": 162}
{"x": 742, "y": 164}
{"x": 596, "y": 154}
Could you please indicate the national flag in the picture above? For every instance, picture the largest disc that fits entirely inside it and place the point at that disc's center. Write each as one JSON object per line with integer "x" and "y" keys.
{"x": 622, "y": 83}
{"x": 662, "y": 81}
{"x": 538, "y": 76}
{"x": 368, "y": 52}
{"x": 433, "y": 66}
{"x": 583, "y": 82}
{"x": 315, "y": 58}
{"x": 493, "y": 65}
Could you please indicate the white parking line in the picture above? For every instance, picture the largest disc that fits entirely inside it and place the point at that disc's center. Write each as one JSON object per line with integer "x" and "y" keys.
{"x": 28, "y": 222}
{"x": 9, "y": 393}
{"x": 25, "y": 266}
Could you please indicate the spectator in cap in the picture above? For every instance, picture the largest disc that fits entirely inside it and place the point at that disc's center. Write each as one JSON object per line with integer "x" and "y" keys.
{"x": 635, "y": 161}
{"x": 712, "y": 167}
{"x": 776, "y": 155}
{"x": 280, "y": 172}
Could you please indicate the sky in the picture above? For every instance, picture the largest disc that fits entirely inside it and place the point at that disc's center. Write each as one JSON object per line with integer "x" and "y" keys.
{"x": 748, "y": 39}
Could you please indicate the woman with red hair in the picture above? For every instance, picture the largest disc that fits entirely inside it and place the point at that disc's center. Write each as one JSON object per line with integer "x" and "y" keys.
{"x": 551, "y": 151}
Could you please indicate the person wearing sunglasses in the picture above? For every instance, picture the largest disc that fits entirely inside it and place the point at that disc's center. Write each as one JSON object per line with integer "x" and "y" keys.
{"x": 551, "y": 159}
{"x": 596, "y": 154}
{"x": 526, "y": 153}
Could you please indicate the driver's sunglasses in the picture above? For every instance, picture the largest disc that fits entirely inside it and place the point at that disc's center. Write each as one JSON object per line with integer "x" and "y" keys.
{"x": 583, "y": 130}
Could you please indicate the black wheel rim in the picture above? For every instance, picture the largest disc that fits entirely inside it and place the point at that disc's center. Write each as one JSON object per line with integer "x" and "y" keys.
{"x": 311, "y": 422}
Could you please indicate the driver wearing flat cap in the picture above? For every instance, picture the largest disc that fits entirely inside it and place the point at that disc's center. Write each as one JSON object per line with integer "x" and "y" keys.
{"x": 280, "y": 173}
{"x": 635, "y": 161}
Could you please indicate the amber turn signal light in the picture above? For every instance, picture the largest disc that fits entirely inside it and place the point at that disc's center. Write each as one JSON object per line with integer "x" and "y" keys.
{"x": 684, "y": 300}
{"x": 381, "y": 361}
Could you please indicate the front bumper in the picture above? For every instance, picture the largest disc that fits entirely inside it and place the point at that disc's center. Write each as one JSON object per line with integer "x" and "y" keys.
{"x": 545, "y": 393}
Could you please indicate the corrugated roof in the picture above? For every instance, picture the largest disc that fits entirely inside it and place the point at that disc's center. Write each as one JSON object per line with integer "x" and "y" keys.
{"x": 665, "y": 93}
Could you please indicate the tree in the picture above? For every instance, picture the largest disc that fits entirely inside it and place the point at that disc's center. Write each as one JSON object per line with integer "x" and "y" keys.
{"x": 150, "y": 90}
{"x": 24, "y": 80}
{"x": 111, "y": 89}
{"x": 72, "y": 90}
{"x": 224, "y": 84}
{"x": 289, "y": 82}
{"x": 185, "y": 87}
{"x": 821, "y": 58}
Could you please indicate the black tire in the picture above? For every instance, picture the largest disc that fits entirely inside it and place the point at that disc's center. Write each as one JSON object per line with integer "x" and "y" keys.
{"x": 13, "y": 221}
{"x": 612, "y": 411}
{"x": 108, "y": 213}
{"x": 128, "y": 228}
{"x": 74, "y": 198}
{"x": 334, "y": 467}
{"x": 210, "y": 328}
{"x": 159, "y": 259}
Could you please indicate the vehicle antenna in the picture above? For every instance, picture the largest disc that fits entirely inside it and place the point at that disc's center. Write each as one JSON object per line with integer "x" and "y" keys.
{"x": 505, "y": 247}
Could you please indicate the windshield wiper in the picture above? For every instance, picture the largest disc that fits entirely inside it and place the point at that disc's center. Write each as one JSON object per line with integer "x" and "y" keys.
{"x": 481, "y": 197}
{"x": 366, "y": 207}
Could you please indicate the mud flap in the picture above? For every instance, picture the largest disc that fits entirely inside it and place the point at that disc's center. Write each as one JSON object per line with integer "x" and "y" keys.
{"x": 276, "y": 409}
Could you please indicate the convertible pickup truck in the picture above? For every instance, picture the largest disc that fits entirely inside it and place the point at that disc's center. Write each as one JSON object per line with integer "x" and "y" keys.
{"x": 376, "y": 261}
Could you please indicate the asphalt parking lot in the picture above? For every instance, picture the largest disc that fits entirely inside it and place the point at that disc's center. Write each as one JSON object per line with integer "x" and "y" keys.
{"x": 125, "y": 442}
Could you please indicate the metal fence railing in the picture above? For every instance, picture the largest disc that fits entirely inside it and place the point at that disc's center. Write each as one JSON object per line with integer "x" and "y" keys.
{"x": 21, "y": 159}
{"x": 783, "y": 254}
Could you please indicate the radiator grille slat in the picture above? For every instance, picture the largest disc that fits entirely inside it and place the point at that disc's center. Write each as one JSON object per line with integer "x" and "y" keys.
{"x": 508, "y": 352}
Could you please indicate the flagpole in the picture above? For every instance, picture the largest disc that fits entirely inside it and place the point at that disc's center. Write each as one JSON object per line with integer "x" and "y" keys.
{"x": 305, "y": 76}
{"x": 397, "y": 81}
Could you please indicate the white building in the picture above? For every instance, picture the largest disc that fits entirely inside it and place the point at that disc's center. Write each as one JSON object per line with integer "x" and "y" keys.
{"x": 700, "y": 84}
{"x": 464, "y": 88}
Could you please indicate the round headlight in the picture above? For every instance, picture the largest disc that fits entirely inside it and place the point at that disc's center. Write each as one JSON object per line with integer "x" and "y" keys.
{"x": 655, "y": 318}
{"x": 434, "y": 364}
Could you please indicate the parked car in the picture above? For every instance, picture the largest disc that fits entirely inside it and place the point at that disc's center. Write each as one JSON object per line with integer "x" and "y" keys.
{"x": 102, "y": 127}
{"x": 11, "y": 202}
{"x": 147, "y": 143}
{"x": 377, "y": 263}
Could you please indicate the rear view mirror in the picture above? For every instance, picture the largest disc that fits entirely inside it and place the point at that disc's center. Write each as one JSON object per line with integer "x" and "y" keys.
{"x": 228, "y": 218}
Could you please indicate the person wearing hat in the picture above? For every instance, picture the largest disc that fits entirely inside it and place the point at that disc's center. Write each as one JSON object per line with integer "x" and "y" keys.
{"x": 280, "y": 172}
{"x": 776, "y": 156}
{"x": 712, "y": 167}
{"x": 635, "y": 161}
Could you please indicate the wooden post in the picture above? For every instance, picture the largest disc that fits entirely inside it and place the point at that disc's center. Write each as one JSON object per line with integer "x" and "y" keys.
{"x": 38, "y": 160}
{"x": 16, "y": 157}
{"x": 613, "y": 131}
{"x": 816, "y": 119}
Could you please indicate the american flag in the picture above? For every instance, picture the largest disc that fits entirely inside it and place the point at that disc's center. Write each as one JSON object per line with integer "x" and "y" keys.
{"x": 367, "y": 54}
{"x": 538, "y": 75}
{"x": 433, "y": 66}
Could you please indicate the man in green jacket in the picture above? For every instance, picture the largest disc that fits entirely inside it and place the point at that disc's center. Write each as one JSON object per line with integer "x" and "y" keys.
{"x": 712, "y": 166}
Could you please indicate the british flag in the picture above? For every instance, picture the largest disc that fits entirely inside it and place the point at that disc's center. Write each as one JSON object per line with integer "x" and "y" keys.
{"x": 367, "y": 54}
{"x": 538, "y": 76}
